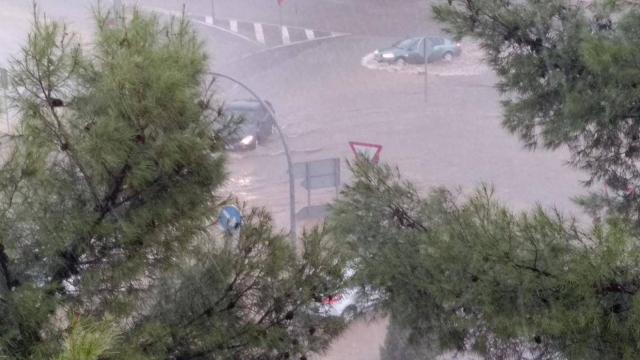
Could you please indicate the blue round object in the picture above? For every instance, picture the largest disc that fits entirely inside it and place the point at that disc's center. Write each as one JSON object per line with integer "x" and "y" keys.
{"x": 230, "y": 218}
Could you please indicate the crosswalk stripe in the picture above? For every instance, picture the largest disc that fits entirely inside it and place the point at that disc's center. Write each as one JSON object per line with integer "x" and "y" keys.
{"x": 310, "y": 34}
{"x": 285, "y": 35}
{"x": 259, "y": 32}
{"x": 233, "y": 25}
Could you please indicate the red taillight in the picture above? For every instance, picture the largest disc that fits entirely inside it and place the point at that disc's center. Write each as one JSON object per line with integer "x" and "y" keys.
{"x": 332, "y": 300}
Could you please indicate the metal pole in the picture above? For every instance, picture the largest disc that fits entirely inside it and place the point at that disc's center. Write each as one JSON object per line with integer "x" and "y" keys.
{"x": 280, "y": 14}
{"x": 213, "y": 10}
{"x": 308, "y": 181}
{"x": 117, "y": 6}
{"x": 6, "y": 109}
{"x": 292, "y": 193}
{"x": 4, "y": 83}
{"x": 425, "y": 69}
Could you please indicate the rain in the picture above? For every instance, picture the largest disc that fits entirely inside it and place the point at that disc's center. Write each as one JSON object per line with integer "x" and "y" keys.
{"x": 315, "y": 62}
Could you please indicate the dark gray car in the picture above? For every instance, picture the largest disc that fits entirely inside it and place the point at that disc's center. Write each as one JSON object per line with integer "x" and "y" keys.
{"x": 412, "y": 50}
{"x": 256, "y": 124}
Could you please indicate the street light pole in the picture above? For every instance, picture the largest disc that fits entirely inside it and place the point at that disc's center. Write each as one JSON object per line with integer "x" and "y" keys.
{"x": 426, "y": 87}
{"x": 213, "y": 10}
{"x": 117, "y": 6}
{"x": 292, "y": 192}
{"x": 4, "y": 84}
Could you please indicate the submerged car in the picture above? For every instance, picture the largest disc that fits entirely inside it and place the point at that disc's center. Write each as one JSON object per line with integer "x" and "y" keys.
{"x": 345, "y": 305}
{"x": 256, "y": 124}
{"x": 412, "y": 51}
{"x": 349, "y": 303}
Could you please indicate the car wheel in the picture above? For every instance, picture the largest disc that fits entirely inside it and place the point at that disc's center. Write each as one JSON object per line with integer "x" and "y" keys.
{"x": 401, "y": 62}
{"x": 448, "y": 57}
{"x": 350, "y": 313}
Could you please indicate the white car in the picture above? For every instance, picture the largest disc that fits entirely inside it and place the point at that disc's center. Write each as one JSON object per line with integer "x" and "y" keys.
{"x": 343, "y": 305}
{"x": 348, "y": 304}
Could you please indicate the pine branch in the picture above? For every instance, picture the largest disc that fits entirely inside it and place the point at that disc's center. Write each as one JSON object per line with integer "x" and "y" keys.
{"x": 4, "y": 267}
{"x": 64, "y": 141}
{"x": 534, "y": 269}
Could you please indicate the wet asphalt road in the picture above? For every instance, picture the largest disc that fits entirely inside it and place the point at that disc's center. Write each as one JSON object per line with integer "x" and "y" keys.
{"x": 443, "y": 132}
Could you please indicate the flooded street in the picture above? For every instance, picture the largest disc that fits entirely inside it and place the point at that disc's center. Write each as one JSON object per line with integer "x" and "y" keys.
{"x": 327, "y": 90}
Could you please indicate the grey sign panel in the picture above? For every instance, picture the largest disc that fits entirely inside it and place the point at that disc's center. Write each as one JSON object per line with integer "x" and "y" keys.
{"x": 322, "y": 167}
{"x": 4, "y": 79}
{"x": 319, "y": 182}
{"x": 318, "y": 174}
{"x": 316, "y": 168}
{"x": 300, "y": 170}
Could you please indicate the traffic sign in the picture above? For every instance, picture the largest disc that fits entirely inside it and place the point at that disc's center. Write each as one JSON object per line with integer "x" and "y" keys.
{"x": 320, "y": 182}
{"x": 370, "y": 151}
{"x": 230, "y": 219}
{"x": 4, "y": 79}
{"x": 318, "y": 173}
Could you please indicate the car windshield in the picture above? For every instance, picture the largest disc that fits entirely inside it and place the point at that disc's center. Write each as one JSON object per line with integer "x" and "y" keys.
{"x": 406, "y": 44}
{"x": 249, "y": 120}
{"x": 246, "y": 128}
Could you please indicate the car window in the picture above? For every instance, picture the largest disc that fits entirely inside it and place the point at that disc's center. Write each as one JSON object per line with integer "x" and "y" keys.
{"x": 436, "y": 41}
{"x": 253, "y": 116}
{"x": 407, "y": 43}
{"x": 418, "y": 45}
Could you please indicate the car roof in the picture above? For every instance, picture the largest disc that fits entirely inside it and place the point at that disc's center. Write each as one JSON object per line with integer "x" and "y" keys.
{"x": 428, "y": 37}
{"x": 247, "y": 105}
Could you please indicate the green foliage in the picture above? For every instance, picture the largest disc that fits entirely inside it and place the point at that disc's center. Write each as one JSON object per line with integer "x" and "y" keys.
{"x": 470, "y": 274}
{"x": 107, "y": 205}
{"x": 88, "y": 341}
{"x": 248, "y": 299}
{"x": 398, "y": 345}
{"x": 569, "y": 77}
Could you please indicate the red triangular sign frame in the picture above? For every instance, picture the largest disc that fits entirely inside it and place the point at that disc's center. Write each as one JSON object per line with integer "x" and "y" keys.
{"x": 366, "y": 149}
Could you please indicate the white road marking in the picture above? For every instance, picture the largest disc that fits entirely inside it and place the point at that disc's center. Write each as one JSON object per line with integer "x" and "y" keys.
{"x": 259, "y": 32}
{"x": 310, "y": 34}
{"x": 208, "y": 20}
{"x": 224, "y": 29}
{"x": 233, "y": 25}
{"x": 296, "y": 43}
{"x": 163, "y": 11}
{"x": 285, "y": 35}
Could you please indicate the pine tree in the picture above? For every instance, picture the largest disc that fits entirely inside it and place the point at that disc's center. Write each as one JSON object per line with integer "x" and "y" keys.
{"x": 569, "y": 76}
{"x": 89, "y": 341}
{"x": 108, "y": 207}
{"x": 469, "y": 273}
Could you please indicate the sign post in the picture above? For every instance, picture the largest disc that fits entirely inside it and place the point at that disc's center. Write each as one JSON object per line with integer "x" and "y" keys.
{"x": 4, "y": 84}
{"x": 280, "y": 3}
{"x": 370, "y": 151}
{"x": 117, "y": 6}
{"x": 426, "y": 87}
{"x": 318, "y": 174}
{"x": 230, "y": 219}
